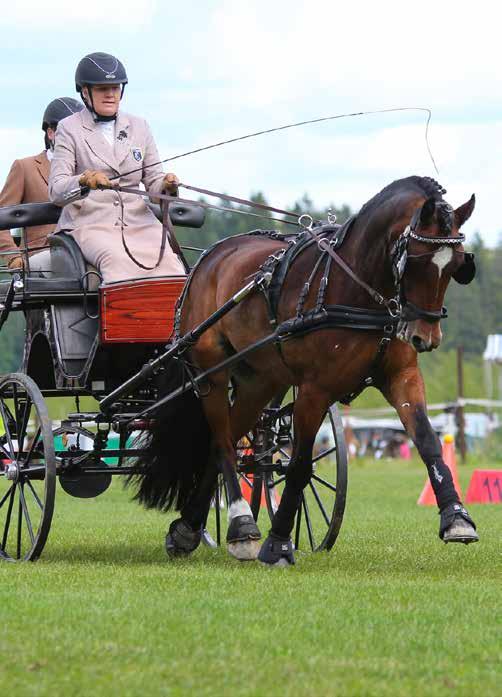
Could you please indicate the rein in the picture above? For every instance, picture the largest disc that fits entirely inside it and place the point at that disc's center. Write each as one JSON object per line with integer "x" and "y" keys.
{"x": 210, "y": 206}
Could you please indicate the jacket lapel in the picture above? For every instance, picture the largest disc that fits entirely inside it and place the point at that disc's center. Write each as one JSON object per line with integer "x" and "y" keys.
{"x": 123, "y": 143}
{"x": 97, "y": 142}
{"x": 43, "y": 166}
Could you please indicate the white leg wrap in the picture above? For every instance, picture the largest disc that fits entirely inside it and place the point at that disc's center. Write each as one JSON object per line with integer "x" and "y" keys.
{"x": 237, "y": 508}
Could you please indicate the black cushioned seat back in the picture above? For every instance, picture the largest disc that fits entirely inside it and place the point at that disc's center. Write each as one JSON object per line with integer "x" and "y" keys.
{"x": 29, "y": 214}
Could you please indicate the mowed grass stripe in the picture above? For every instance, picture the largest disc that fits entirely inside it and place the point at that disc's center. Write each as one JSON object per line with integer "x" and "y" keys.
{"x": 390, "y": 611}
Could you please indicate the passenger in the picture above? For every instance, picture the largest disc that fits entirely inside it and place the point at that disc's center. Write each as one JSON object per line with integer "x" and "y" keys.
{"x": 28, "y": 178}
{"x": 117, "y": 232}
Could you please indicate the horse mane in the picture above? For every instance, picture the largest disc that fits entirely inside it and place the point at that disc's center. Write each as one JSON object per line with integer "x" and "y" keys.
{"x": 423, "y": 186}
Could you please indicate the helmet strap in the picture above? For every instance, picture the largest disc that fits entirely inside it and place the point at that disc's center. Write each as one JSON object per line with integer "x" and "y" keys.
{"x": 98, "y": 117}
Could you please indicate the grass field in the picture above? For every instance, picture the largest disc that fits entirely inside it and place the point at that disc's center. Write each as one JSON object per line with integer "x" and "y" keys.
{"x": 390, "y": 611}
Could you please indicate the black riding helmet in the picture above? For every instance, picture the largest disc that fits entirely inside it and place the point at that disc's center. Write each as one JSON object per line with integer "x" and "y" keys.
{"x": 99, "y": 69}
{"x": 58, "y": 109}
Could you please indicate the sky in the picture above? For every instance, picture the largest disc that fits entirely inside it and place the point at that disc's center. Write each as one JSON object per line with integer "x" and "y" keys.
{"x": 206, "y": 71}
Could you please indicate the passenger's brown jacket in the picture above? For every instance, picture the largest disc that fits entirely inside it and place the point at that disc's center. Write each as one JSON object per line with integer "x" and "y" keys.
{"x": 27, "y": 182}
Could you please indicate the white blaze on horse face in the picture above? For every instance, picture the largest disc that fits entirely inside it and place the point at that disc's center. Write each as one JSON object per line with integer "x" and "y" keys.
{"x": 238, "y": 508}
{"x": 442, "y": 258}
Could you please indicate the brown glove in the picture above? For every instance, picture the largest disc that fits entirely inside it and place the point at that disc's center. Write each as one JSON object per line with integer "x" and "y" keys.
{"x": 95, "y": 180}
{"x": 170, "y": 184}
{"x": 16, "y": 263}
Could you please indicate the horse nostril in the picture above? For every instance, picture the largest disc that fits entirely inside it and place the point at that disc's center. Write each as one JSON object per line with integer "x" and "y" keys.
{"x": 417, "y": 343}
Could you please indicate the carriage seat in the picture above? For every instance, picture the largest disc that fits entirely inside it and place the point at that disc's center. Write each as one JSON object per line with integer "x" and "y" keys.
{"x": 62, "y": 268}
{"x": 67, "y": 261}
{"x": 63, "y": 265}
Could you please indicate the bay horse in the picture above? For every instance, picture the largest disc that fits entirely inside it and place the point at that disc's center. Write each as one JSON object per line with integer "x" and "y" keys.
{"x": 405, "y": 245}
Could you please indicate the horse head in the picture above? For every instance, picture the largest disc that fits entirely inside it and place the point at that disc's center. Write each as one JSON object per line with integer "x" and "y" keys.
{"x": 425, "y": 257}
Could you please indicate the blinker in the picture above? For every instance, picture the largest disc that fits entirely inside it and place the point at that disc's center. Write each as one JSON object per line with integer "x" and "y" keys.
{"x": 467, "y": 272}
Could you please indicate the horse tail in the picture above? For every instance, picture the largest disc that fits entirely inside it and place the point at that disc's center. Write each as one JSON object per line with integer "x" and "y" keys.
{"x": 176, "y": 449}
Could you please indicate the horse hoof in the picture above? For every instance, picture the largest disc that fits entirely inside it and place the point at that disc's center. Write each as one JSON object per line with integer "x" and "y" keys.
{"x": 277, "y": 552}
{"x": 181, "y": 540}
{"x": 457, "y": 525}
{"x": 244, "y": 550}
{"x": 243, "y": 538}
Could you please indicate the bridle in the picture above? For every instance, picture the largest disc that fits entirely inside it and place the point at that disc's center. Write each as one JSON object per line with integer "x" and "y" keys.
{"x": 399, "y": 259}
{"x": 398, "y": 306}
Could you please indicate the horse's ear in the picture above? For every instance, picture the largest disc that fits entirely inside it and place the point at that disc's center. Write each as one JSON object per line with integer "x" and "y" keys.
{"x": 464, "y": 211}
{"x": 427, "y": 212}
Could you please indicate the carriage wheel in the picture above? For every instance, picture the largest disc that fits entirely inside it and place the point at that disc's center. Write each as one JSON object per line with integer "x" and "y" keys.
{"x": 320, "y": 515}
{"x": 27, "y": 469}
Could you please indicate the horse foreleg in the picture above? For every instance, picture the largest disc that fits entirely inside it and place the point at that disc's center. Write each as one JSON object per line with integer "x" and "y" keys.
{"x": 405, "y": 392}
{"x": 310, "y": 408}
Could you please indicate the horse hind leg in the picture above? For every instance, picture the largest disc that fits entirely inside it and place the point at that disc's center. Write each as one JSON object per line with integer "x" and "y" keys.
{"x": 185, "y": 533}
{"x": 310, "y": 407}
{"x": 243, "y": 534}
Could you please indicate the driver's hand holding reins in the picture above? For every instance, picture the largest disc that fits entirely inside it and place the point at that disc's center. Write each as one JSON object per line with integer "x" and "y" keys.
{"x": 95, "y": 180}
{"x": 98, "y": 180}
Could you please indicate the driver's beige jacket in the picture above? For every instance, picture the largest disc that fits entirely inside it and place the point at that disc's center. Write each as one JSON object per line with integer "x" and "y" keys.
{"x": 81, "y": 145}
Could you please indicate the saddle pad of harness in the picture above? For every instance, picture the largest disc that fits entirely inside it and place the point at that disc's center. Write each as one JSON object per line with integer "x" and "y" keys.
{"x": 338, "y": 234}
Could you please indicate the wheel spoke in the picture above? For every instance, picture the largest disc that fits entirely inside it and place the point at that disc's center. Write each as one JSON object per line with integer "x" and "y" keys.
{"x": 285, "y": 453}
{"x": 6, "y": 496}
{"x": 278, "y": 481}
{"x": 319, "y": 503}
{"x": 3, "y": 408}
{"x": 24, "y": 424}
{"x": 19, "y": 524}
{"x": 26, "y": 514}
{"x": 324, "y": 482}
{"x": 33, "y": 444}
{"x": 35, "y": 495}
{"x": 298, "y": 526}
{"x": 309, "y": 522}
{"x": 247, "y": 480}
{"x": 8, "y": 517}
{"x": 324, "y": 453}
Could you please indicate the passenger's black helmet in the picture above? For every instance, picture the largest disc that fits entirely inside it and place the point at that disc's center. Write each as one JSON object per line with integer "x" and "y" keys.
{"x": 58, "y": 109}
{"x": 99, "y": 69}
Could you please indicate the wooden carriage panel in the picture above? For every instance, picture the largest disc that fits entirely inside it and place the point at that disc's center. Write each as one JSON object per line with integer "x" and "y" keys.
{"x": 139, "y": 311}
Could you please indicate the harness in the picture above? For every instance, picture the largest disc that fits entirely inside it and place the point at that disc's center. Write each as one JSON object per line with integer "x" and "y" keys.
{"x": 329, "y": 237}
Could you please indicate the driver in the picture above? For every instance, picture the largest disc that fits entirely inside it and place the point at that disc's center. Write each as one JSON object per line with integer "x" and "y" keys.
{"x": 117, "y": 232}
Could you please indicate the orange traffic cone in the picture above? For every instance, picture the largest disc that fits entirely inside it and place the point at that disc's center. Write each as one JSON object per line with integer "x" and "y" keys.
{"x": 428, "y": 497}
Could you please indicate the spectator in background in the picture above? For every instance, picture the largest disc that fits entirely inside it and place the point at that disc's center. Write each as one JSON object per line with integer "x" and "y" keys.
{"x": 27, "y": 181}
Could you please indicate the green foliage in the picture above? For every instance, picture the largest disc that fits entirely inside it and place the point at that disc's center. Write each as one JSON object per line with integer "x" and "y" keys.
{"x": 475, "y": 310}
{"x": 11, "y": 343}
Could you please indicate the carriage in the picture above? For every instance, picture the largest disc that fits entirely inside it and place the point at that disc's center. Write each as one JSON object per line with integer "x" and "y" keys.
{"x": 111, "y": 343}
